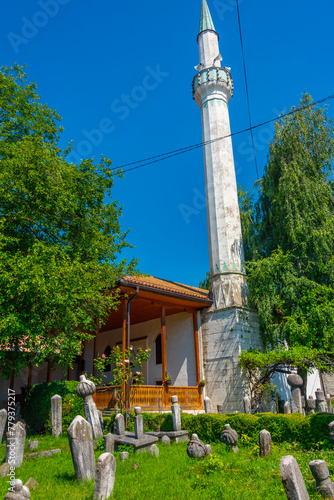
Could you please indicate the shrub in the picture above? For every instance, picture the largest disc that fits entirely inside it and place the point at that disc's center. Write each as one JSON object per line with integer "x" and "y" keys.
{"x": 37, "y": 408}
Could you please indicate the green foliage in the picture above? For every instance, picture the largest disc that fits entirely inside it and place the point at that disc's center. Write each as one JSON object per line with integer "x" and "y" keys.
{"x": 37, "y": 409}
{"x": 124, "y": 373}
{"x": 206, "y": 283}
{"x": 289, "y": 245}
{"x": 60, "y": 235}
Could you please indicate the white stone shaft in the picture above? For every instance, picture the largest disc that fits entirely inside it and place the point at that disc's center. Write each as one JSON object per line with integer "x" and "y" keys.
{"x": 56, "y": 415}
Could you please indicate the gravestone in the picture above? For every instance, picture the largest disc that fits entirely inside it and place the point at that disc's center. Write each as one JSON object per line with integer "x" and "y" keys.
{"x": 230, "y": 437}
{"x": 124, "y": 455}
{"x": 165, "y": 440}
{"x": 310, "y": 405}
{"x": 85, "y": 389}
{"x": 56, "y": 415}
{"x": 18, "y": 491}
{"x": 220, "y": 408}
{"x": 287, "y": 407}
{"x": 120, "y": 425}
{"x": 208, "y": 449}
{"x": 104, "y": 476}
{"x": 139, "y": 423}
{"x": 207, "y": 406}
{"x": 295, "y": 382}
{"x": 32, "y": 445}
{"x": 292, "y": 479}
{"x": 31, "y": 484}
{"x": 320, "y": 397}
{"x": 265, "y": 443}
{"x": 331, "y": 431}
{"x": 320, "y": 473}
{"x": 3, "y": 420}
{"x": 15, "y": 441}
{"x": 247, "y": 405}
{"x": 196, "y": 448}
{"x": 329, "y": 404}
{"x": 176, "y": 414}
{"x": 109, "y": 443}
{"x": 302, "y": 398}
{"x": 82, "y": 450}
{"x": 154, "y": 450}
{"x": 4, "y": 469}
{"x": 100, "y": 414}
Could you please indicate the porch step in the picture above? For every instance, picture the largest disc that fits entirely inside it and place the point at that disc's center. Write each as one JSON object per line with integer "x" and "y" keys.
{"x": 107, "y": 412}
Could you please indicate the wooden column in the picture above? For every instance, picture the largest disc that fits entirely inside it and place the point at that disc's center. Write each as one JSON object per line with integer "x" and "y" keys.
{"x": 69, "y": 373}
{"x": 82, "y": 358}
{"x": 96, "y": 348}
{"x": 196, "y": 342}
{"x": 125, "y": 312}
{"x": 49, "y": 372}
{"x": 30, "y": 376}
{"x": 163, "y": 345}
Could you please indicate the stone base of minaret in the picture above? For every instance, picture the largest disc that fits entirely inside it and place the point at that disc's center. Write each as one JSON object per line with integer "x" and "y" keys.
{"x": 226, "y": 332}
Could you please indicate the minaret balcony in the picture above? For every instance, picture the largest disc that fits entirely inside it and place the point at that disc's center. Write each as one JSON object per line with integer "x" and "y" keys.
{"x": 211, "y": 77}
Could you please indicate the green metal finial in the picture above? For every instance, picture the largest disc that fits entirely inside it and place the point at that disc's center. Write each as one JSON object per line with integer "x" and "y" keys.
{"x": 206, "y": 22}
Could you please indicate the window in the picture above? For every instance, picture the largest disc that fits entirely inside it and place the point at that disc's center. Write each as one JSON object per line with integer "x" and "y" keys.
{"x": 107, "y": 353}
{"x": 158, "y": 353}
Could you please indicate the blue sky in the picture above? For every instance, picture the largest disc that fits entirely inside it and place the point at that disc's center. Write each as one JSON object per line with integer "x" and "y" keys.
{"x": 120, "y": 73}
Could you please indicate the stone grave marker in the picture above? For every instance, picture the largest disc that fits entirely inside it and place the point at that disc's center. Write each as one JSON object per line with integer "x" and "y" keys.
{"x": 56, "y": 415}
{"x": 4, "y": 469}
{"x": 220, "y": 408}
{"x": 82, "y": 450}
{"x": 331, "y": 431}
{"x": 85, "y": 389}
{"x": 330, "y": 408}
{"x": 165, "y": 440}
{"x": 120, "y": 425}
{"x": 207, "y": 406}
{"x": 31, "y": 484}
{"x": 176, "y": 414}
{"x": 287, "y": 407}
{"x": 310, "y": 405}
{"x": 109, "y": 443}
{"x": 320, "y": 473}
{"x": 320, "y": 397}
{"x": 265, "y": 443}
{"x": 19, "y": 492}
{"x": 15, "y": 441}
{"x": 3, "y": 420}
{"x": 295, "y": 381}
{"x": 123, "y": 455}
{"x": 247, "y": 404}
{"x": 104, "y": 476}
{"x": 292, "y": 479}
{"x": 32, "y": 445}
{"x": 154, "y": 450}
{"x": 139, "y": 423}
{"x": 230, "y": 437}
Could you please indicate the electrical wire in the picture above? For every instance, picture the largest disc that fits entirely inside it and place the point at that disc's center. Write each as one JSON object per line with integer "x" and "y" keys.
{"x": 246, "y": 85}
{"x": 164, "y": 156}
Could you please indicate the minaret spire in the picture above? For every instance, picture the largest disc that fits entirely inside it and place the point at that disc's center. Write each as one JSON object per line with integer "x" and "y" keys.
{"x": 229, "y": 325}
{"x": 206, "y": 22}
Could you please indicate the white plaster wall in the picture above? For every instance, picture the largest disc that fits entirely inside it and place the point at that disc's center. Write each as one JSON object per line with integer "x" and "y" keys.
{"x": 180, "y": 349}
{"x": 208, "y": 49}
{"x": 226, "y": 333}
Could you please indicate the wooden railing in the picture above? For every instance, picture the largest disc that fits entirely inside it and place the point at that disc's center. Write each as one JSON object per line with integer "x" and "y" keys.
{"x": 152, "y": 397}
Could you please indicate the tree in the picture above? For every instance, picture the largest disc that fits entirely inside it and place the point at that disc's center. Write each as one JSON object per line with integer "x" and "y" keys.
{"x": 60, "y": 235}
{"x": 290, "y": 241}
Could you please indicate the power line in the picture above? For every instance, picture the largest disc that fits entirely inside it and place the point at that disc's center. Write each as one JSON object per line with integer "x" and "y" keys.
{"x": 164, "y": 156}
{"x": 246, "y": 85}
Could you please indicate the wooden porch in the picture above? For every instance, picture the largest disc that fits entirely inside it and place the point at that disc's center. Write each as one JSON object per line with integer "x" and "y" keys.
{"x": 152, "y": 397}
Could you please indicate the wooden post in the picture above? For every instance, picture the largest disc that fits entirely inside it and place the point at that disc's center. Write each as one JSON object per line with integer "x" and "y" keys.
{"x": 196, "y": 342}
{"x": 49, "y": 372}
{"x": 69, "y": 373}
{"x": 30, "y": 376}
{"x": 125, "y": 312}
{"x": 82, "y": 358}
{"x": 96, "y": 348}
{"x": 163, "y": 354}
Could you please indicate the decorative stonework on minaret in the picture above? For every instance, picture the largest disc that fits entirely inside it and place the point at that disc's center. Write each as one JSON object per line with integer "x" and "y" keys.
{"x": 212, "y": 90}
{"x": 229, "y": 325}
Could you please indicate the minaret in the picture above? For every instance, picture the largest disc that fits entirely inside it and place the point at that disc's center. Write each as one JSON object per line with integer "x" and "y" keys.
{"x": 226, "y": 326}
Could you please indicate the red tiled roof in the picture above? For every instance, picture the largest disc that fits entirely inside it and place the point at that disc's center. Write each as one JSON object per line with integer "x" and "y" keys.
{"x": 166, "y": 286}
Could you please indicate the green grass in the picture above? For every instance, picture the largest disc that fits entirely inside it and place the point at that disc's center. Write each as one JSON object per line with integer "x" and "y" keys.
{"x": 173, "y": 475}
